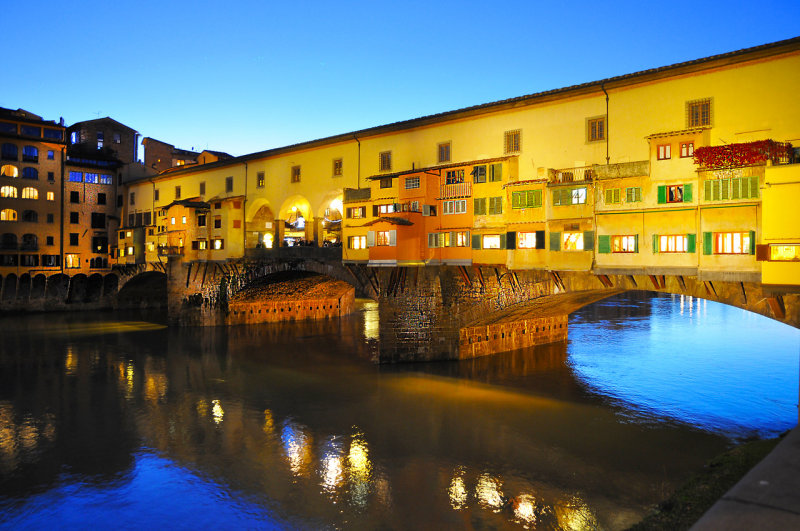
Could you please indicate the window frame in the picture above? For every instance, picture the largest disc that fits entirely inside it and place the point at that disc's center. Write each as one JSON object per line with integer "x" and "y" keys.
{"x": 443, "y": 152}
{"x": 295, "y": 174}
{"x": 591, "y": 129}
{"x": 663, "y": 151}
{"x": 696, "y": 116}
{"x": 512, "y": 141}
{"x": 385, "y": 161}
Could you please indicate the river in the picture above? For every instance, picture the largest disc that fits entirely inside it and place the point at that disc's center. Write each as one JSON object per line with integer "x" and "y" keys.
{"x": 114, "y": 421}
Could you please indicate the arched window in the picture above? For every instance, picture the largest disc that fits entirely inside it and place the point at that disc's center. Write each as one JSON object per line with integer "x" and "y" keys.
{"x": 30, "y": 173}
{"x": 30, "y": 193}
{"x": 30, "y": 154}
{"x": 8, "y": 241}
{"x": 30, "y": 216}
{"x": 10, "y": 152}
{"x": 8, "y": 170}
{"x": 8, "y": 214}
{"x": 8, "y": 191}
{"x": 29, "y": 242}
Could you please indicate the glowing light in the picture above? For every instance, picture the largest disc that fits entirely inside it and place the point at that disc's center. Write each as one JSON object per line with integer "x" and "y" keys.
{"x": 360, "y": 469}
{"x": 488, "y": 492}
{"x": 336, "y": 204}
{"x": 155, "y": 387}
{"x": 71, "y": 361}
{"x": 269, "y": 424}
{"x": 129, "y": 375}
{"x": 216, "y": 411}
{"x": 371, "y": 320}
{"x": 294, "y": 209}
{"x": 202, "y": 408}
{"x": 332, "y": 470}
{"x": 525, "y": 509}
{"x": 575, "y": 514}
{"x": 296, "y": 446}
{"x": 268, "y": 240}
{"x": 458, "y": 493}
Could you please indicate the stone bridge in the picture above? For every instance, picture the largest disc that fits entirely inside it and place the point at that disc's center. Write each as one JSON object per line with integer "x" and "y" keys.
{"x": 452, "y": 312}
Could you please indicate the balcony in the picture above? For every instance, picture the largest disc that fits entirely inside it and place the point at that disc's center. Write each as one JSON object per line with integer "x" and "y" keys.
{"x": 170, "y": 250}
{"x": 639, "y": 168}
{"x": 356, "y": 194}
{"x": 454, "y": 191}
{"x": 572, "y": 175}
{"x": 758, "y": 153}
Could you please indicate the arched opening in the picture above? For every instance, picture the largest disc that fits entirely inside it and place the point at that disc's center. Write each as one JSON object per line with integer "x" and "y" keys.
{"x": 9, "y": 170}
{"x": 110, "y": 285}
{"x": 24, "y": 288}
{"x": 261, "y": 227}
{"x": 146, "y": 290}
{"x": 77, "y": 289}
{"x": 57, "y": 288}
{"x": 94, "y": 287}
{"x": 10, "y": 287}
{"x": 330, "y": 217}
{"x": 38, "y": 286}
{"x": 297, "y": 224}
{"x": 8, "y": 241}
{"x": 8, "y": 191}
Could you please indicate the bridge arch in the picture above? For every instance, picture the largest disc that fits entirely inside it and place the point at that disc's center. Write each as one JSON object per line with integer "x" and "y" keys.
{"x": 144, "y": 289}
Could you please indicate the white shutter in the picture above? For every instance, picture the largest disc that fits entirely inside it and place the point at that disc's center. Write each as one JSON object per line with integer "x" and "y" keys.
{"x": 371, "y": 238}
{"x": 426, "y": 210}
{"x": 392, "y": 238}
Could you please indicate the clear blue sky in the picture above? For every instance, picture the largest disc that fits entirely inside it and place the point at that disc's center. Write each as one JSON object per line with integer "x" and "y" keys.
{"x": 243, "y": 76}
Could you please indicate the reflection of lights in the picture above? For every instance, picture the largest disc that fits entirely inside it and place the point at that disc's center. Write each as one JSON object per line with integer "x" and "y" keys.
{"x": 129, "y": 374}
{"x": 371, "y": 320}
{"x": 332, "y": 473}
{"x": 360, "y": 470}
{"x": 488, "y": 492}
{"x": 525, "y": 508}
{"x": 155, "y": 387}
{"x": 458, "y": 493}
{"x": 216, "y": 411}
{"x": 269, "y": 425}
{"x": 296, "y": 446}
{"x": 202, "y": 408}
{"x": 575, "y": 514}
{"x": 71, "y": 361}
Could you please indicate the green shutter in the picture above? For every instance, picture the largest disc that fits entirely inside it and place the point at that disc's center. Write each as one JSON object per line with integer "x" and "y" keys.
{"x": 556, "y": 197}
{"x": 609, "y": 196}
{"x": 752, "y": 242}
{"x": 537, "y": 198}
{"x": 503, "y": 240}
{"x": 707, "y": 190}
{"x": 515, "y": 199}
{"x": 588, "y": 240}
{"x": 754, "y": 187}
{"x": 691, "y": 244}
{"x": 511, "y": 240}
{"x": 736, "y": 188}
{"x": 555, "y": 241}
{"x": 616, "y": 195}
{"x": 638, "y": 194}
{"x": 662, "y": 195}
{"x": 707, "y": 243}
{"x": 476, "y": 241}
{"x": 453, "y": 239}
{"x": 604, "y": 243}
{"x": 479, "y": 206}
{"x": 655, "y": 243}
{"x": 687, "y": 193}
{"x": 636, "y": 243}
{"x": 497, "y": 172}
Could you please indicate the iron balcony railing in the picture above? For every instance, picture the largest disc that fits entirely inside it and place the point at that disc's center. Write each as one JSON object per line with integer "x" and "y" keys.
{"x": 453, "y": 191}
{"x": 571, "y": 175}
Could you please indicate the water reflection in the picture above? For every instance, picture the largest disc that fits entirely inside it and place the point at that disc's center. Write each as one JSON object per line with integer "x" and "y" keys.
{"x": 294, "y": 425}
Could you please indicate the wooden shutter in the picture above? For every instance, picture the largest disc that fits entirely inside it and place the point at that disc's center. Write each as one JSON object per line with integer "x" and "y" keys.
{"x": 540, "y": 239}
{"x": 655, "y": 243}
{"x": 752, "y": 242}
{"x": 588, "y": 240}
{"x": 537, "y": 198}
{"x": 662, "y": 195}
{"x": 555, "y": 241}
{"x": 708, "y": 243}
{"x": 635, "y": 243}
{"x": 762, "y": 252}
{"x": 707, "y": 194}
{"x": 371, "y": 238}
{"x": 392, "y": 238}
{"x": 426, "y": 210}
{"x": 516, "y": 198}
{"x": 691, "y": 244}
{"x": 476, "y": 241}
{"x": 497, "y": 172}
{"x": 503, "y": 241}
{"x": 687, "y": 193}
{"x": 754, "y": 187}
{"x": 375, "y": 211}
{"x": 604, "y": 243}
{"x": 511, "y": 240}
{"x": 609, "y": 196}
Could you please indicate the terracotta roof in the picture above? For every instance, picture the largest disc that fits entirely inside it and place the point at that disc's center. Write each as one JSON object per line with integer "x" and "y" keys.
{"x": 391, "y": 221}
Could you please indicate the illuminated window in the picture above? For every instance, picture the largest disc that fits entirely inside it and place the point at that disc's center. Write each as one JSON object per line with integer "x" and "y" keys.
{"x": 75, "y": 177}
{"x": 357, "y": 212}
{"x": 784, "y": 253}
{"x": 8, "y": 214}
{"x": 674, "y": 243}
{"x": 260, "y": 179}
{"x": 529, "y": 240}
{"x": 698, "y": 113}
{"x": 675, "y": 194}
{"x": 596, "y": 129}
{"x": 183, "y": 220}
{"x": 385, "y": 161}
{"x": 8, "y": 191}
{"x": 512, "y": 141}
{"x": 458, "y": 206}
{"x": 337, "y": 167}
{"x": 444, "y": 152}
{"x": 687, "y": 149}
{"x": 491, "y": 241}
{"x": 295, "y": 174}
{"x": 412, "y": 183}
{"x": 732, "y": 242}
{"x": 130, "y": 250}
{"x": 51, "y": 155}
{"x": 72, "y": 261}
{"x": 218, "y": 244}
{"x": 9, "y": 170}
{"x": 625, "y": 244}
{"x": 202, "y": 245}
{"x": 172, "y": 221}
{"x": 386, "y": 209}
{"x": 383, "y": 237}
{"x": 526, "y": 199}
{"x": 572, "y": 241}
{"x": 357, "y": 242}
{"x": 99, "y": 139}
{"x": 92, "y": 178}
{"x": 664, "y": 152}
{"x": 454, "y": 177}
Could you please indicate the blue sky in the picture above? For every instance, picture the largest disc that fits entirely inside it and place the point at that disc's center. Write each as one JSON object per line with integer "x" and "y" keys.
{"x": 243, "y": 76}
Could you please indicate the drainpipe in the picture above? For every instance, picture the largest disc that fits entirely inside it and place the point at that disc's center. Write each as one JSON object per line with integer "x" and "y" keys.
{"x": 358, "y": 182}
{"x": 603, "y": 88}
{"x": 61, "y": 222}
{"x": 244, "y": 214}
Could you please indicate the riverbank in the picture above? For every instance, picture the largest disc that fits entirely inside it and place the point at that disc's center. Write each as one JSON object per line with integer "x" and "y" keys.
{"x": 688, "y": 504}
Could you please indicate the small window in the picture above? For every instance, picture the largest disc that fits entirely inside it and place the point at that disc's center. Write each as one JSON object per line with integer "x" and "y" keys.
{"x": 672, "y": 243}
{"x": 491, "y": 241}
{"x": 733, "y": 242}
{"x": 454, "y": 177}
{"x": 458, "y": 206}
{"x": 596, "y": 129}
{"x": 30, "y": 154}
{"x": 228, "y": 184}
{"x": 99, "y": 139}
{"x": 30, "y": 173}
{"x": 572, "y": 241}
{"x": 337, "y": 167}
{"x": 50, "y": 240}
{"x": 217, "y": 222}
{"x": 412, "y": 183}
{"x": 295, "y": 174}
{"x": 183, "y": 220}
{"x": 624, "y": 244}
{"x": 201, "y": 220}
{"x": 132, "y": 198}
{"x": 202, "y": 188}
{"x": 385, "y": 161}
{"x": 177, "y": 192}
{"x": 526, "y": 199}
{"x": 633, "y": 194}
{"x": 218, "y": 244}
{"x": 98, "y": 220}
{"x": 612, "y": 195}
{"x": 8, "y": 191}
{"x": 495, "y": 206}
{"x": 675, "y": 194}
{"x": 237, "y": 223}
{"x": 74, "y": 217}
{"x": 444, "y": 152}
{"x": 172, "y": 221}
{"x": 75, "y": 197}
{"x": 357, "y": 242}
{"x": 51, "y": 177}
{"x": 117, "y": 138}
{"x": 51, "y": 155}
{"x": 51, "y": 196}
{"x": 8, "y": 214}
{"x": 687, "y": 149}
{"x": 664, "y": 152}
{"x": 698, "y": 113}
{"x": 51, "y": 218}
{"x": 10, "y": 151}
{"x": 260, "y": 179}
{"x": 479, "y": 174}
{"x": 156, "y": 194}
{"x": 513, "y": 141}
{"x": 386, "y": 182}
{"x": 73, "y": 238}
{"x": 8, "y": 170}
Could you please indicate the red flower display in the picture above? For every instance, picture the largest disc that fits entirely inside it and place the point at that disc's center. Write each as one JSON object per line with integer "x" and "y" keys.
{"x": 743, "y": 154}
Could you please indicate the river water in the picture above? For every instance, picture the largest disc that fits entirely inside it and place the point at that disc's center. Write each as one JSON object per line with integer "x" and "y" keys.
{"x": 115, "y": 421}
